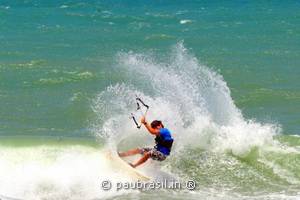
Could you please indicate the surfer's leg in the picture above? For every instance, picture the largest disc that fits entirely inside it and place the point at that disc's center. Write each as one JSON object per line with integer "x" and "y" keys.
{"x": 130, "y": 152}
{"x": 143, "y": 159}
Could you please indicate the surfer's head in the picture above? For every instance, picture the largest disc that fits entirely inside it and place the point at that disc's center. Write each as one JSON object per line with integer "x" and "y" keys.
{"x": 157, "y": 124}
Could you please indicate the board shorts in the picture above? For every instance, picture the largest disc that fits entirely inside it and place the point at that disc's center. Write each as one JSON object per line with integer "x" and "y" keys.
{"x": 154, "y": 153}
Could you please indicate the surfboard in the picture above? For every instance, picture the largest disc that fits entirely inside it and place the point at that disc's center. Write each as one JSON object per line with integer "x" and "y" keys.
{"x": 121, "y": 165}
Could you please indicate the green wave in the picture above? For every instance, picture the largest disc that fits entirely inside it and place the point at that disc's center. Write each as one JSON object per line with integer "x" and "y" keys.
{"x": 264, "y": 170}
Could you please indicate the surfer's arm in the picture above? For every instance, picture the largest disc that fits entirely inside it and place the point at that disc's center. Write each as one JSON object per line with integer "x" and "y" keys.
{"x": 149, "y": 128}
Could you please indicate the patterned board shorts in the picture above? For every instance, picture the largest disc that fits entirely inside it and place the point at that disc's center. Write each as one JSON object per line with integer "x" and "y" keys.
{"x": 154, "y": 154}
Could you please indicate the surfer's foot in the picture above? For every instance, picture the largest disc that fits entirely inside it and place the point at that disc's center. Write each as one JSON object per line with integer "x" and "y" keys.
{"x": 132, "y": 165}
{"x": 122, "y": 154}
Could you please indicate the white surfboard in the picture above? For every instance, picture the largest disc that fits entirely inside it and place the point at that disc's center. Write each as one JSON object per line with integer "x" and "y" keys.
{"x": 120, "y": 164}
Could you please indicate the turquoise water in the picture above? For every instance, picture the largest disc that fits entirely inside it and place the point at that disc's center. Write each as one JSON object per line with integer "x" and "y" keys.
{"x": 225, "y": 74}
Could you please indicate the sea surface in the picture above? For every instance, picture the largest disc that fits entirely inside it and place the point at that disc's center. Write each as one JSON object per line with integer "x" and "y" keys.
{"x": 223, "y": 76}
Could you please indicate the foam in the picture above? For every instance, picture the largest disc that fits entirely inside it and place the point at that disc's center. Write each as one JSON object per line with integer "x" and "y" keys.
{"x": 192, "y": 100}
{"x": 51, "y": 172}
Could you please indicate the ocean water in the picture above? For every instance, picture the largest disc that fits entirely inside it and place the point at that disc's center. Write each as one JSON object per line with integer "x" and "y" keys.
{"x": 223, "y": 76}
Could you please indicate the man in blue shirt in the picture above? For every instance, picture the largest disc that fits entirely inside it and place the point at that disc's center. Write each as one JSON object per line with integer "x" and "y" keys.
{"x": 162, "y": 148}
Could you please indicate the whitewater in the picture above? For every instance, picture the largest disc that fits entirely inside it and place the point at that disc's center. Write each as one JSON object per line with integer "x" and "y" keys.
{"x": 229, "y": 156}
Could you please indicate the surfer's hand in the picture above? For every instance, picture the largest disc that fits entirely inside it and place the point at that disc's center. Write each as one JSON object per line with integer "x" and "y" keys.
{"x": 143, "y": 120}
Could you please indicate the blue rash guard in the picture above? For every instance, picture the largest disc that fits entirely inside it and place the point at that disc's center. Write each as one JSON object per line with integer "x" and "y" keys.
{"x": 164, "y": 141}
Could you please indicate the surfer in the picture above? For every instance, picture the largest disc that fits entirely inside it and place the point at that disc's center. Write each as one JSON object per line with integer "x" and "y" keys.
{"x": 160, "y": 151}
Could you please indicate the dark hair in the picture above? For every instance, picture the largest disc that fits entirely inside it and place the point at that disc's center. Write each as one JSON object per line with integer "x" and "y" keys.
{"x": 156, "y": 123}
